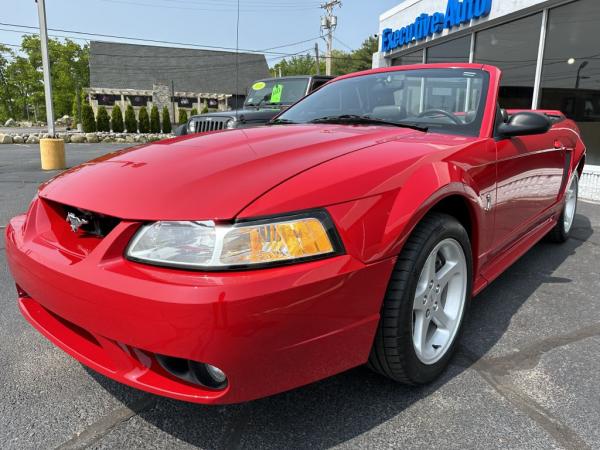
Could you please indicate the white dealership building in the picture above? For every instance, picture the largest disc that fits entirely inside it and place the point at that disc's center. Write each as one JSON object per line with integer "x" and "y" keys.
{"x": 547, "y": 49}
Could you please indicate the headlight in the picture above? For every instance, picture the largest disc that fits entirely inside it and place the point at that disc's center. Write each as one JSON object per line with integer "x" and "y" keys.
{"x": 231, "y": 124}
{"x": 206, "y": 245}
{"x": 192, "y": 126}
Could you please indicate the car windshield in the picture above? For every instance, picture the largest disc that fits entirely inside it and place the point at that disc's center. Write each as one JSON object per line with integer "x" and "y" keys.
{"x": 439, "y": 100}
{"x": 276, "y": 92}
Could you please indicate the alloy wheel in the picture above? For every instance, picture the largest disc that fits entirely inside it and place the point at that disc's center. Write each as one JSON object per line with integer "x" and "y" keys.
{"x": 439, "y": 301}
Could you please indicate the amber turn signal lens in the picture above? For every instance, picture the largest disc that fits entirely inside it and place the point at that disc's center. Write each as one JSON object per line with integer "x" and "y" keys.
{"x": 302, "y": 238}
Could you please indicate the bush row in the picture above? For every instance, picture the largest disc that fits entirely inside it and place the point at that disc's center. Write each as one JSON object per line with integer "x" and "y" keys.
{"x": 144, "y": 123}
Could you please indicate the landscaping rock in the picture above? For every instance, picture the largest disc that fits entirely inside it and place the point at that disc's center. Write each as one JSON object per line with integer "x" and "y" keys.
{"x": 33, "y": 139}
{"x": 10, "y": 123}
{"x": 78, "y": 139}
{"x": 130, "y": 139}
{"x": 18, "y": 139}
{"x": 6, "y": 139}
{"x": 65, "y": 137}
{"x": 92, "y": 138}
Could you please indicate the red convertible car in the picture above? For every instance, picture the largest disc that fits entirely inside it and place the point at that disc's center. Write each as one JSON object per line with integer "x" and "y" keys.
{"x": 354, "y": 229}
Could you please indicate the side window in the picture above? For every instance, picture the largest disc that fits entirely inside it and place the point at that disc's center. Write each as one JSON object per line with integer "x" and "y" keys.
{"x": 316, "y": 84}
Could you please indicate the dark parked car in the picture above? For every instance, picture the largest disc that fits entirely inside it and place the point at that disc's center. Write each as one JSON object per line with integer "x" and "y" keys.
{"x": 266, "y": 98}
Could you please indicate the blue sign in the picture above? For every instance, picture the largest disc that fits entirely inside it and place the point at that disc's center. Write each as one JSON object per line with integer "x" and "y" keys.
{"x": 426, "y": 25}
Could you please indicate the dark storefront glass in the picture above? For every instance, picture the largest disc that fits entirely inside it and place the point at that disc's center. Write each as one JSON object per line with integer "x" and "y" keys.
{"x": 106, "y": 99}
{"x": 456, "y": 50}
{"x": 139, "y": 100}
{"x": 513, "y": 47}
{"x": 409, "y": 58}
{"x": 571, "y": 71}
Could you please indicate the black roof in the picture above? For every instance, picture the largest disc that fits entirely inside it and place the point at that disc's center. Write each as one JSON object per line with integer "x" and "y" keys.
{"x": 130, "y": 66}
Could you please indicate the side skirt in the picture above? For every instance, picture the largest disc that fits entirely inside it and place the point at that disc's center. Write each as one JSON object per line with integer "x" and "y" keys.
{"x": 512, "y": 254}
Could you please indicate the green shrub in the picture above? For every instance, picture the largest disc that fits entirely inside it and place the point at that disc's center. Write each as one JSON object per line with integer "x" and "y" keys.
{"x": 194, "y": 112}
{"x": 154, "y": 120}
{"x": 102, "y": 120}
{"x": 143, "y": 120}
{"x": 76, "y": 110}
{"x": 205, "y": 110}
{"x": 182, "y": 117}
{"x": 116, "y": 120}
{"x": 130, "y": 120}
{"x": 166, "y": 120}
{"x": 88, "y": 121}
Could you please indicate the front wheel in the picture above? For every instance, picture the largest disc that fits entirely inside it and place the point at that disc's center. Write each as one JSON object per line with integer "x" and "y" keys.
{"x": 425, "y": 303}
{"x": 562, "y": 230}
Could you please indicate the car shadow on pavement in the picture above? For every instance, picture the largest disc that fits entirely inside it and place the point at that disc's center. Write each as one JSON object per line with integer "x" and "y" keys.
{"x": 343, "y": 407}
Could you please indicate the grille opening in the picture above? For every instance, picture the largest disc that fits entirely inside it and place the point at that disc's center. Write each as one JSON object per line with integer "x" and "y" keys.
{"x": 206, "y": 124}
{"x": 93, "y": 224}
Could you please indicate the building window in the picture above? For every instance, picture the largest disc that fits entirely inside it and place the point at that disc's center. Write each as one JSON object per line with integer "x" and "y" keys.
{"x": 138, "y": 100}
{"x": 513, "y": 47}
{"x": 457, "y": 50}
{"x": 185, "y": 102}
{"x": 106, "y": 99}
{"x": 571, "y": 70}
{"x": 409, "y": 58}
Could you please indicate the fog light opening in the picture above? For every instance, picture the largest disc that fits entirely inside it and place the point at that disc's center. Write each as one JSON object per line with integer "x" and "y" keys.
{"x": 194, "y": 372}
{"x": 21, "y": 292}
{"x": 208, "y": 375}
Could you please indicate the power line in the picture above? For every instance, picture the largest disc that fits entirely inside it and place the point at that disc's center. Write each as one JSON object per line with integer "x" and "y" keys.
{"x": 154, "y": 41}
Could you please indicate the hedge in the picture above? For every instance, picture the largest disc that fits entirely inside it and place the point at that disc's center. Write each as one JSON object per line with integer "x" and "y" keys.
{"x": 117, "y": 120}
{"x": 154, "y": 120}
{"x": 194, "y": 112}
{"x": 183, "y": 118}
{"x": 88, "y": 121}
{"x": 102, "y": 120}
{"x": 130, "y": 120}
{"x": 143, "y": 120}
{"x": 166, "y": 120}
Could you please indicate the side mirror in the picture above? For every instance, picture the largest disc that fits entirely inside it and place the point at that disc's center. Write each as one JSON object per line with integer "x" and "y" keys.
{"x": 524, "y": 124}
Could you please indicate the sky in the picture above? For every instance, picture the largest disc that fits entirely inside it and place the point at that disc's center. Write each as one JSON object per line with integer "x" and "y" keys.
{"x": 264, "y": 24}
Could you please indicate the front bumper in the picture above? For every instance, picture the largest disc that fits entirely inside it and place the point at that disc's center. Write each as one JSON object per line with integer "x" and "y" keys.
{"x": 269, "y": 330}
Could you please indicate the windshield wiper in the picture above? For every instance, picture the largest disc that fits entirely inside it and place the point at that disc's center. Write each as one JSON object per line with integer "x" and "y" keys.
{"x": 281, "y": 122}
{"x": 367, "y": 120}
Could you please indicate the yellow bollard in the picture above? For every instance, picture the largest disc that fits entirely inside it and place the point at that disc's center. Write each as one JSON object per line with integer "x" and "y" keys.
{"x": 52, "y": 154}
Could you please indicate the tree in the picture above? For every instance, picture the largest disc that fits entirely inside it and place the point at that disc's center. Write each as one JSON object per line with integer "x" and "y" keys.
{"x": 116, "y": 120}
{"x": 342, "y": 62}
{"x": 183, "y": 118}
{"x": 194, "y": 112}
{"x": 130, "y": 120}
{"x": 88, "y": 121}
{"x": 7, "y": 106}
{"x": 205, "y": 109}
{"x": 154, "y": 120}
{"x": 102, "y": 120}
{"x": 143, "y": 120}
{"x": 166, "y": 120}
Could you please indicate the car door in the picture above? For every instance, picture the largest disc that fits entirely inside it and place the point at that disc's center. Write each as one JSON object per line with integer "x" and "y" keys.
{"x": 530, "y": 171}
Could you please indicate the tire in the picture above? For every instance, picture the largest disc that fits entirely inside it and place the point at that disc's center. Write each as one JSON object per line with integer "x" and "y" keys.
{"x": 562, "y": 230}
{"x": 394, "y": 353}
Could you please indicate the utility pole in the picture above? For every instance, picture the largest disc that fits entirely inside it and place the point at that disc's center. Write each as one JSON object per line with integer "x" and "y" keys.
{"x": 317, "y": 58}
{"x": 329, "y": 24}
{"x": 46, "y": 66}
{"x": 175, "y": 119}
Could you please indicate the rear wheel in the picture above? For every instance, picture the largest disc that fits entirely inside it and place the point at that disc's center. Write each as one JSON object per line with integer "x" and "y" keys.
{"x": 425, "y": 303}
{"x": 562, "y": 229}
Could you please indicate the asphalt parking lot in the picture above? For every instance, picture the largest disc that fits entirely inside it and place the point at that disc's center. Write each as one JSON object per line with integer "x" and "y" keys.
{"x": 527, "y": 374}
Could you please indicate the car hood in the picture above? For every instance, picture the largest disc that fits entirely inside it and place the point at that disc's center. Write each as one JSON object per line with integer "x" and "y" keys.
{"x": 248, "y": 114}
{"x": 201, "y": 177}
